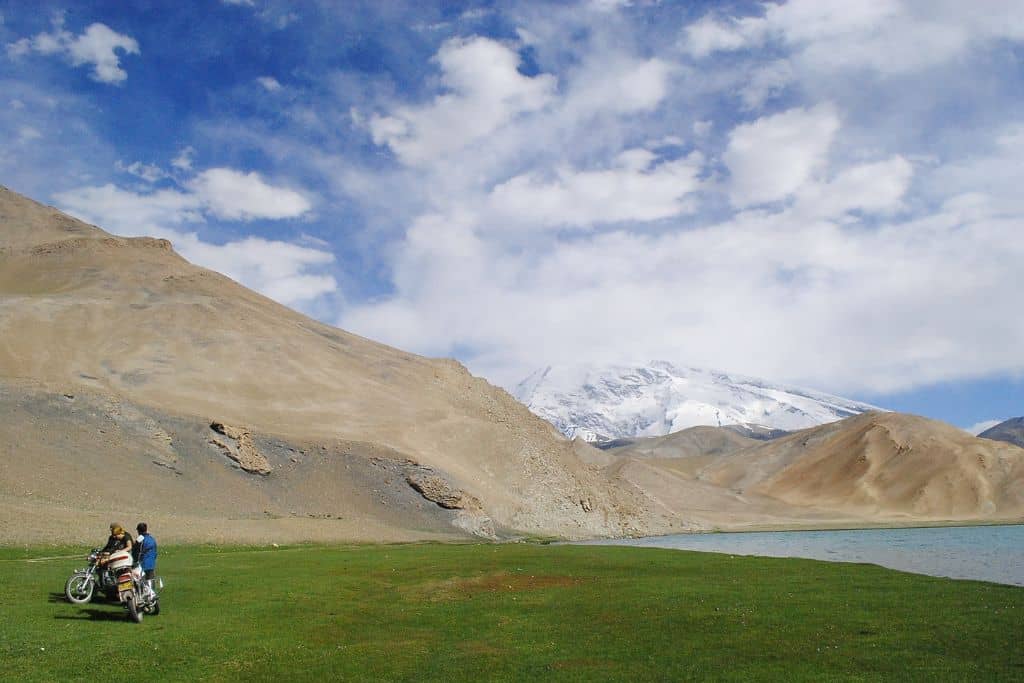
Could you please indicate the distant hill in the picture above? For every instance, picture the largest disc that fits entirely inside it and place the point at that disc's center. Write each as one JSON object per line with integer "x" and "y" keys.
{"x": 1010, "y": 431}
{"x": 875, "y": 466}
{"x": 695, "y": 441}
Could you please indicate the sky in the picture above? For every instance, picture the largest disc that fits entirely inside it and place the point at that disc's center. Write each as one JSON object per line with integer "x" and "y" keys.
{"x": 818, "y": 192}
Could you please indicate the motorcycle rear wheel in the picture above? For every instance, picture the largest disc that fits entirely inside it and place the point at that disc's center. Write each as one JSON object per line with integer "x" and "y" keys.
{"x": 134, "y": 612}
{"x": 79, "y": 589}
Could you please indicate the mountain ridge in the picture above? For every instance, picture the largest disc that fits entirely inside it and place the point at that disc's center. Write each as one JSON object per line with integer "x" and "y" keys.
{"x": 86, "y": 312}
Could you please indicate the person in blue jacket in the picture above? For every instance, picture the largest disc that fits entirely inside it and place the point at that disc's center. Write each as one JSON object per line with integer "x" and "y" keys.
{"x": 146, "y": 551}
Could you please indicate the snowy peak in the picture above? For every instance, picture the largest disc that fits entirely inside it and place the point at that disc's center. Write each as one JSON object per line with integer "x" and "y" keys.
{"x": 599, "y": 403}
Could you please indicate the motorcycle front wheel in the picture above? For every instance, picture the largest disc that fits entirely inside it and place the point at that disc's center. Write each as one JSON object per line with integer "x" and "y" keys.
{"x": 79, "y": 589}
{"x": 134, "y": 611}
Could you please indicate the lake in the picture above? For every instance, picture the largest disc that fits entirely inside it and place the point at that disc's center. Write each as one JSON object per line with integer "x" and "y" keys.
{"x": 985, "y": 553}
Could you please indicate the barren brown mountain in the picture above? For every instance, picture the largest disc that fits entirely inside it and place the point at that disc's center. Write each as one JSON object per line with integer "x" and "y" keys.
{"x": 876, "y": 468}
{"x": 117, "y": 355}
{"x": 692, "y": 442}
{"x": 884, "y": 465}
{"x": 134, "y": 385}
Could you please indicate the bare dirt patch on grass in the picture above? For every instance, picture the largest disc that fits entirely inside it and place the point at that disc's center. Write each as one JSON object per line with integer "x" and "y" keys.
{"x": 496, "y": 582}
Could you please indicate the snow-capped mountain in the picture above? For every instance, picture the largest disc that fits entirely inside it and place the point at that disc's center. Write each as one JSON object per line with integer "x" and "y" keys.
{"x": 598, "y": 403}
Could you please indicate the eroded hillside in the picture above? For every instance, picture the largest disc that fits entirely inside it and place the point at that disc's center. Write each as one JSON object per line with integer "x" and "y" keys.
{"x": 131, "y": 321}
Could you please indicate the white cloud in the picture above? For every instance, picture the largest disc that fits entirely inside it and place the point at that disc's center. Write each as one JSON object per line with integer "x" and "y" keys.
{"x": 766, "y": 83}
{"x": 219, "y": 192}
{"x": 246, "y": 3}
{"x": 821, "y": 257}
{"x": 287, "y": 272}
{"x": 876, "y": 187}
{"x": 126, "y": 212}
{"x": 619, "y": 85}
{"x": 887, "y": 36}
{"x": 979, "y": 427}
{"x": 774, "y": 156}
{"x": 485, "y": 91}
{"x": 769, "y": 294}
{"x": 636, "y": 188}
{"x": 183, "y": 162}
{"x": 269, "y": 83}
{"x": 151, "y": 173}
{"x": 275, "y": 268}
{"x": 709, "y": 35}
{"x": 233, "y": 195}
{"x": 98, "y": 46}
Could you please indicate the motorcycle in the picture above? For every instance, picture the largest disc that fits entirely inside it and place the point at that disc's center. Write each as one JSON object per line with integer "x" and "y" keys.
{"x": 83, "y": 583}
{"x": 117, "y": 577}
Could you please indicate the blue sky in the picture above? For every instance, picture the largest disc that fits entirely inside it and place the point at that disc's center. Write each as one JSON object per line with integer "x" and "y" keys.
{"x": 817, "y": 192}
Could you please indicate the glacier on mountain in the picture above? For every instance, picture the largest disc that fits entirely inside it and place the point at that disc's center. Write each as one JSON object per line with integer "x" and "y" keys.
{"x": 600, "y": 403}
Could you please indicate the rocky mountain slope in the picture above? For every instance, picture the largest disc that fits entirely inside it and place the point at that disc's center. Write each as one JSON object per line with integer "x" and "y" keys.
{"x": 134, "y": 385}
{"x": 127, "y": 325}
{"x": 883, "y": 467}
{"x": 620, "y": 402}
{"x": 1010, "y": 431}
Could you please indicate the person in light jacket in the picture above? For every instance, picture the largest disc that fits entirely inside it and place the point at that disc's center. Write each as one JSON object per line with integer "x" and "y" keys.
{"x": 146, "y": 556}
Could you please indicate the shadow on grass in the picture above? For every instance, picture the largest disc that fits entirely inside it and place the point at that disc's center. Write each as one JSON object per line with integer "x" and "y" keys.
{"x": 91, "y": 614}
{"x": 97, "y": 597}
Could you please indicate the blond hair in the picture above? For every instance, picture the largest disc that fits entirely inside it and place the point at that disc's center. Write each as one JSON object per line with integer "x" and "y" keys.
{"x": 116, "y": 529}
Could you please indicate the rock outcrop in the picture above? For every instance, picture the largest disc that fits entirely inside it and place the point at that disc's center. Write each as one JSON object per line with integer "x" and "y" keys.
{"x": 239, "y": 446}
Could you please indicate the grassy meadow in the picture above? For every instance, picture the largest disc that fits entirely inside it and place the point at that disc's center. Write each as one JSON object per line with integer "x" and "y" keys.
{"x": 509, "y": 612}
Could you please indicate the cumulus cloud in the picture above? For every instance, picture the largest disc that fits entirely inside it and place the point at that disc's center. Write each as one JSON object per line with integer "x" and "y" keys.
{"x": 98, "y": 46}
{"x": 887, "y": 36}
{"x": 791, "y": 239}
{"x": 287, "y": 272}
{"x": 636, "y": 188}
{"x": 484, "y": 91}
{"x": 122, "y": 210}
{"x": 772, "y": 157}
{"x": 876, "y": 187}
{"x": 275, "y": 268}
{"x": 233, "y": 195}
{"x": 709, "y": 35}
{"x": 620, "y": 85}
{"x": 766, "y": 294}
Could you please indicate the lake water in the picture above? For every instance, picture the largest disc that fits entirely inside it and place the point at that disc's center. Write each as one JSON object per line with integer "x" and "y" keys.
{"x": 985, "y": 553}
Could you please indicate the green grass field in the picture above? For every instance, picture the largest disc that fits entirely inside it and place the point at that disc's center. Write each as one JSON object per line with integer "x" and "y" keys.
{"x": 509, "y": 612}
